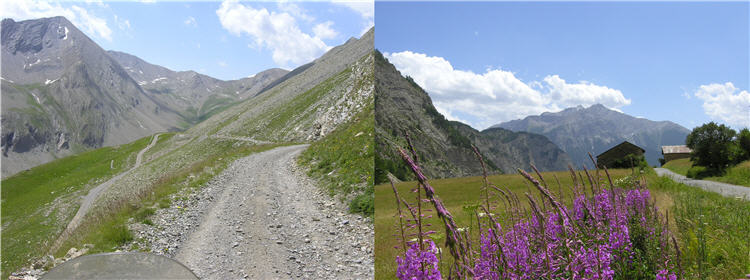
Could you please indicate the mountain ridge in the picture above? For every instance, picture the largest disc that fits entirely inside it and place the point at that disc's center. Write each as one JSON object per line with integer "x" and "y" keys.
{"x": 64, "y": 94}
{"x": 581, "y": 130}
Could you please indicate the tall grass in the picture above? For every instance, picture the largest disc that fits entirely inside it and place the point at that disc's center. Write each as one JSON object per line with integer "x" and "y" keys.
{"x": 713, "y": 231}
{"x": 609, "y": 233}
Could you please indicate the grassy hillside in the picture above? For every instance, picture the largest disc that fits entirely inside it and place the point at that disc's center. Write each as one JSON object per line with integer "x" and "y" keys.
{"x": 725, "y": 219}
{"x": 736, "y": 175}
{"x": 679, "y": 166}
{"x": 38, "y": 203}
{"x": 344, "y": 159}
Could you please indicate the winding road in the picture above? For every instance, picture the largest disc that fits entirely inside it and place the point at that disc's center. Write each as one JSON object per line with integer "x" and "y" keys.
{"x": 94, "y": 193}
{"x": 724, "y": 189}
{"x": 267, "y": 220}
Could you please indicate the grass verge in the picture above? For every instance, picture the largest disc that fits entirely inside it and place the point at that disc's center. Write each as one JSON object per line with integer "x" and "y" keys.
{"x": 713, "y": 231}
{"x": 343, "y": 161}
{"x": 735, "y": 175}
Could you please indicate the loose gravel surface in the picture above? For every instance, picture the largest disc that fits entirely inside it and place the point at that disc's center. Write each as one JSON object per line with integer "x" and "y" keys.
{"x": 724, "y": 189}
{"x": 262, "y": 218}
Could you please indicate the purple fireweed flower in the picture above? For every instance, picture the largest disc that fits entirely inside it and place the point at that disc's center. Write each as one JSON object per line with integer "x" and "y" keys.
{"x": 590, "y": 240}
{"x": 410, "y": 266}
{"x": 486, "y": 266}
{"x": 665, "y": 275}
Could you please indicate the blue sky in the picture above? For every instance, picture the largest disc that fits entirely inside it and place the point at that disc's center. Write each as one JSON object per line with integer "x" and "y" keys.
{"x": 488, "y": 62}
{"x": 225, "y": 40}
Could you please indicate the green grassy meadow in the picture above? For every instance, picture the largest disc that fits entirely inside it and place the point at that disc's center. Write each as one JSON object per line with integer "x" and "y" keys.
{"x": 724, "y": 236}
{"x": 38, "y": 203}
{"x": 679, "y": 166}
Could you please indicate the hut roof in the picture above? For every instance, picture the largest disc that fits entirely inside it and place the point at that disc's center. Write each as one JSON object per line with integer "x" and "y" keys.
{"x": 679, "y": 149}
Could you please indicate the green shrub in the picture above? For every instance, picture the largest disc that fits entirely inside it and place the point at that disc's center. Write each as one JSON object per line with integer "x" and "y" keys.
{"x": 143, "y": 213}
{"x": 117, "y": 235}
{"x": 364, "y": 204}
{"x": 629, "y": 161}
{"x": 164, "y": 203}
{"x": 713, "y": 145}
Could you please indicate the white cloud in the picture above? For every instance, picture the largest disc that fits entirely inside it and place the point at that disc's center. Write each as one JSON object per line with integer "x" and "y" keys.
{"x": 190, "y": 21}
{"x": 80, "y": 17}
{"x": 223, "y": 63}
{"x": 568, "y": 95}
{"x": 123, "y": 24}
{"x": 726, "y": 103}
{"x": 365, "y": 9}
{"x": 324, "y": 31}
{"x": 497, "y": 95}
{"x": 295, "y": 11}
{"x": 278, "y": 32}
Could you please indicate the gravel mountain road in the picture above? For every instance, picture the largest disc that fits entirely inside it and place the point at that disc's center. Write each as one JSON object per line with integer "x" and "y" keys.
{"x": 89, "y": 199}
{"x": 263, "y": 218}
{"x": 717, "y": 187}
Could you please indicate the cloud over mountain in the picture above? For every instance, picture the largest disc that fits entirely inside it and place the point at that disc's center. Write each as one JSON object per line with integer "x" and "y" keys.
{"x": 497, "y": 95}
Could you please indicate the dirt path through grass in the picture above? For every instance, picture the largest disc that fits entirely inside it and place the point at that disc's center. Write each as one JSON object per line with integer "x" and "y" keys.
{"x": 93, "y": 194}
{"x": 267, "y": 220}
{"x": 724, "y": 189}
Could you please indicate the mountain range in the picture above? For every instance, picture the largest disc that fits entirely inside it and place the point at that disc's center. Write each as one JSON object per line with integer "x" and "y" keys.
{"x": 580, "y": 130}
{"x": 444, "y": 147}
{"x": 63, "y": 94}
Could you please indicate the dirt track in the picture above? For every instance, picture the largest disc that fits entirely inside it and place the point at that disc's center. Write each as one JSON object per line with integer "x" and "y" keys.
{"x": 267, "y": 220}
{"x": 717, "y": 187}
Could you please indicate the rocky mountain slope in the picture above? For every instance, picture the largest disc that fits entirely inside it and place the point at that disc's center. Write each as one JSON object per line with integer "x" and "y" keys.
{"x": 193, "y": 95}
{"x": 304, "y": 108}
{"x": 444, "y": 147}
{"x": 507, "y": 149}
{"x": 322, "y": 99}
{"x": 595, "y": 129}
{"x": 62, "y": 94}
